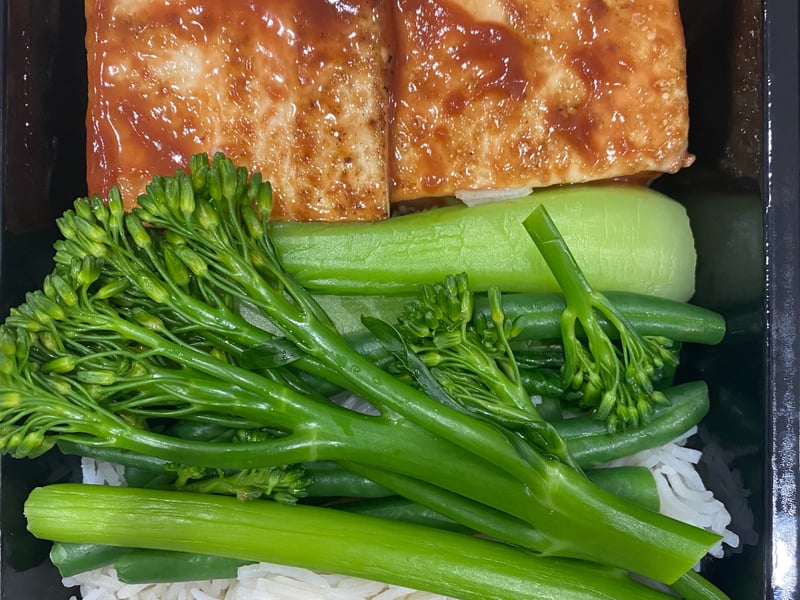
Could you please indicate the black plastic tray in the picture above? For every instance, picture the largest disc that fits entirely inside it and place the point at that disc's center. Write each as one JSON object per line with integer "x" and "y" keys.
{"x": 745, "y": 133}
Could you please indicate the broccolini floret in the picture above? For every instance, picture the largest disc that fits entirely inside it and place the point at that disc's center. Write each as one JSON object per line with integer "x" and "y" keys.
{"x": 469, "y": 357}
{"x": 614, "y": 380}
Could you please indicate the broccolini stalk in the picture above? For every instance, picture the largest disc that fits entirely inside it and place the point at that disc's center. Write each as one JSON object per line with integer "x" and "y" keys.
{"x": 615, "y": 382}
{"x": 227, "y": 234}
{"x": 141, "y": 380}
{"x": 401, "y": 553}
{"x": 165, "y": 297}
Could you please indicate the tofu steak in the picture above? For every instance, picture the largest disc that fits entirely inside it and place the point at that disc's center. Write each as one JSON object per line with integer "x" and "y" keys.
{"x": 348, "y": 106}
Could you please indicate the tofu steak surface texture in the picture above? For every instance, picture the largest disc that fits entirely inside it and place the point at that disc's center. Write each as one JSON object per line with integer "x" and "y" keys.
{"x": 292, "y": 88}
{"x": 494, "y": 94}
{"x": 348, "y": 106}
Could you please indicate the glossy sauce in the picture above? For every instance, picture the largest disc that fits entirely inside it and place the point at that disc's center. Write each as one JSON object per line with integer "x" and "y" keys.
{"x": 446, "y": 62}
{"x": 515, "y": 93}
{"x": 595, "y": 60}
{"x": 269, "y": 83}
{"x": 345, "y": 105}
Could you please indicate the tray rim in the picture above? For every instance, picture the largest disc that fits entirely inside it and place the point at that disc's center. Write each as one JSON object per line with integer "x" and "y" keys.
{"x": 780, "y": 185}
{"x": 781, "y": 193}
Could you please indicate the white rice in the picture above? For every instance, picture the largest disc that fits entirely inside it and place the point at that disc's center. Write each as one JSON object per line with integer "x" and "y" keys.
{"x": 261, "y": 581}
{"x": 681, "y": 490}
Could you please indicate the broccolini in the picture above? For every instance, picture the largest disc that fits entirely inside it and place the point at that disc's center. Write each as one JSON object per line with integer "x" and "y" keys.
{"x": 616, "y": 381}
{"x": 138, "y": 325}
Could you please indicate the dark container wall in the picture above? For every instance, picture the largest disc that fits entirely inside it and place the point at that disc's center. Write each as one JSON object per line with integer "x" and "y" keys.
{"x": 781, "y": 183}
{"x": 44, "y": 98}
{"x": 743, "y": 75}
{"x": 42, "y": 144}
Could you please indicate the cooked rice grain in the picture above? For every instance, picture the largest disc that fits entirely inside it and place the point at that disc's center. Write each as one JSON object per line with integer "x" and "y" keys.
{"x": 261, "y": 581}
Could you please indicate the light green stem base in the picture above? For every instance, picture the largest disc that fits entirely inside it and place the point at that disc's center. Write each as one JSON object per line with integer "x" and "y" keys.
{"x": 321, "y": 539}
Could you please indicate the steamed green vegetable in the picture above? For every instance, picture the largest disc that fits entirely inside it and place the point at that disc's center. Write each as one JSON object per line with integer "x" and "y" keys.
{"x": 142, "y": 566}
{"x": 136, "y": 565}
{"x": 616, "y": 382}
{"x": 138, "y": 326}
{"x": 402, "y": 553}
{"x": 536, "y": 321}
{"x": 650, "y": 253}
{"x": 540, "y": 314}
{"x": 467, "y": 359}
{"x": 590, "y": 442}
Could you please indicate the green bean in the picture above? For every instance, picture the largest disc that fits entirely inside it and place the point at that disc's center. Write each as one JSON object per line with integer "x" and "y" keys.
{"x": 165, "y": 566}
{"x": 117, "y": 456}
{"x": 140, "y": 566}
{"x": 540, "y": 315}
{"x": 401, "y": 509}
{"x": 590, "y": 442}
{"x": 329, "y": 479}
{"x": 75, "y": 558}
{"x": 634, "y": 483}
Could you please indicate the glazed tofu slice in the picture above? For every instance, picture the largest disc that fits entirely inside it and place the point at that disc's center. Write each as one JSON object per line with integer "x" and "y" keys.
{"x": 508, "y": 94}
{"x": 295, "y": 89}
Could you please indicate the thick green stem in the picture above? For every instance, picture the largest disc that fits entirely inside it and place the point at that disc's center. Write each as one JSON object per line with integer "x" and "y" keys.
{"x": 401, "y": 553}
{"x": 562, "y": 263}
{"x": 486, "y": 242}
